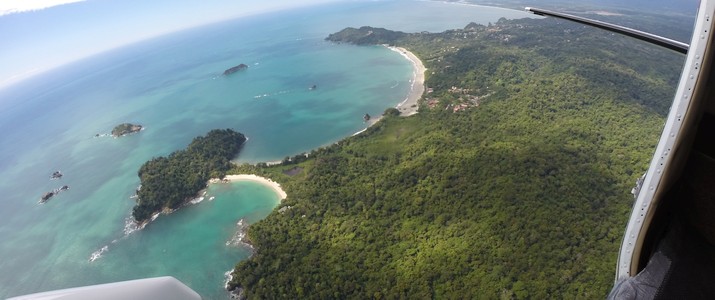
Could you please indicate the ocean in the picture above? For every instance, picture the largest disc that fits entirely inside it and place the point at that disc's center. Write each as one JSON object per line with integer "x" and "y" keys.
{"x": 173, "y": 86}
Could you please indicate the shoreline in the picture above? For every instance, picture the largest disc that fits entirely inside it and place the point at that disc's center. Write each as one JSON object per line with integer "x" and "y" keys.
{"x": 131, "y": 225}
{"x": 276, "y": 187}
{"x": 410, "y": 105}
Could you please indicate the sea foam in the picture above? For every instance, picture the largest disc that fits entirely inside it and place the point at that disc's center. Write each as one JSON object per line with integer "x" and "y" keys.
{"x": 97, "y": 254}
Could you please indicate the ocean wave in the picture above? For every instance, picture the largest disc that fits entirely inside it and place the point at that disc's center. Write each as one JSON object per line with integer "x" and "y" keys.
{"x": 359, "y": 132}
{"x": 237, "y": 240}
{"x": 197, "y": 200}
{"x": 97, "y": 254}
{"x": 131, "y": 226}
{"x": 235, "y": 294}
{"x": 201, "y": 198}
{"x": 272, "y": 94}
{"x": 228, "y": 275}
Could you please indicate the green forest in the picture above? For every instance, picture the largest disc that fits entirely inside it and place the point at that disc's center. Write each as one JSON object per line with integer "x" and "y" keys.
{"x": 512, "y": 182}
{"x": 168, "y": 182}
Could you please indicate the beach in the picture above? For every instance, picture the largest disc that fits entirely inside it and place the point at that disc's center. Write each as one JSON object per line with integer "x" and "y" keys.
{"x": 410, "y": 105}
{"x": 255, "y": 178}
{"x": 173, "y": 86}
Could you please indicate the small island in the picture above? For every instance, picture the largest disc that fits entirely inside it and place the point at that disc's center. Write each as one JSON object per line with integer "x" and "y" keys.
{"x": 170, "y": 182}
{"x": 235, "y": 69}
{"x": 56, "y": 175}
{"x": 125, "y": 129}
{"x": 47, "y": 196}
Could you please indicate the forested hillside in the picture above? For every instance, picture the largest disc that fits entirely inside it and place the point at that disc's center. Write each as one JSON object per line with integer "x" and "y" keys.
{"x": 168, "y": 182}
{"x": 513, "y": 181}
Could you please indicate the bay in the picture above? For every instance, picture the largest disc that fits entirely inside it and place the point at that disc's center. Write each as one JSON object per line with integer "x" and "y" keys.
{"x": 173, "y": 85}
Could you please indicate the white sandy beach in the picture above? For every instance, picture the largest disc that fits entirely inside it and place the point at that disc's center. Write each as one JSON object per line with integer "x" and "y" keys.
{"x": 410, "y": 105}
{"x": 250, "y": 177}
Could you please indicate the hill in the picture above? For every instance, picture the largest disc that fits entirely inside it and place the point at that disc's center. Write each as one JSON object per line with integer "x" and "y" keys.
{"x": 169, "y": 182}
{"x": 512, "y": 182}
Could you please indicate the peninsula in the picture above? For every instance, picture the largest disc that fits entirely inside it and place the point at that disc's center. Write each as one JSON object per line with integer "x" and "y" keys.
{"x": 169, "y": 182}
{"x": 511, "y": 182}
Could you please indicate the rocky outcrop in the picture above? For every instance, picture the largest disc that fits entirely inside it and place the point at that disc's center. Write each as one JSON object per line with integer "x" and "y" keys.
{"x": 56, "y": 175}
{"x": 126, "y": 128}
{"x": 235, "y": 69}
{"x": 47, "y": 196}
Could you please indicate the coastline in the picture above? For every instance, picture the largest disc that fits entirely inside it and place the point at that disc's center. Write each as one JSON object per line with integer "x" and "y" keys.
{"x": 410, "y": 105}
{"x": 242, "y": 228}
{"x": 132, "y": 225}
{"x": 255, "y": 178}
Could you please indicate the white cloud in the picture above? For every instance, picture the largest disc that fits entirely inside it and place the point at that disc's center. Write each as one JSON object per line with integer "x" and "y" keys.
{"x": 17, "y": 6}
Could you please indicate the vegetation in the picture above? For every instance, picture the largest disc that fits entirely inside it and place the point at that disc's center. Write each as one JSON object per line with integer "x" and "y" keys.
{"x": 512, "y": 182}
{"x": 168, "y": 182}
{"x": 366, "y": 35}
{"x": 391, "y": 112}
{"x": 125, "y": 128}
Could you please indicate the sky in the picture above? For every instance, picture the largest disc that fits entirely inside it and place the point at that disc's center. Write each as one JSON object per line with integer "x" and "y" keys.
{"x": 39, "y": 35}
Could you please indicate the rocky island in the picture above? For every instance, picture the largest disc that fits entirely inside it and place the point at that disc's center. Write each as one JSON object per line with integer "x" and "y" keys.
{"x": 125, "y": 128}
{"x": 47, "y": 196}
{"x": 235, "y": 69}
{"x": 56, "y": 175}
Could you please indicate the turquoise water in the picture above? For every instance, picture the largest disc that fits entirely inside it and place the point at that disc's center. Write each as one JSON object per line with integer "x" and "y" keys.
{"x": 173, "y": 86}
